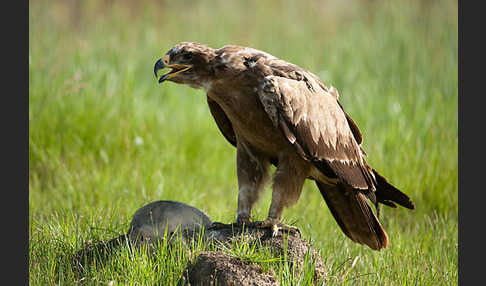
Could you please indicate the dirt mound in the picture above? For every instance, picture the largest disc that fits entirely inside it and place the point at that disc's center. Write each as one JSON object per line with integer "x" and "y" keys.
{"x": 218, "y": 268}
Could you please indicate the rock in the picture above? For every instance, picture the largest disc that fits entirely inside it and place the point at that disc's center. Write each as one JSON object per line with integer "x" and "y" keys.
{"x": 217, "y": 268}
{"x": 151, "y": 221}
{"x": 148, "y": 223}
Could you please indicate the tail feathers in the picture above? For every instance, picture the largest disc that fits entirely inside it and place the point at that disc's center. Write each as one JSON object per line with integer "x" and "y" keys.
{"x": 388, "y": 195}
{"x": 354, "y": 215}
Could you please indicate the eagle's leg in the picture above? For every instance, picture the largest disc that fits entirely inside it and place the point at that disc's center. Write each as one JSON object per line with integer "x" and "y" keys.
{"x": 252, "y": 172}
{"x": 287, "y": 186}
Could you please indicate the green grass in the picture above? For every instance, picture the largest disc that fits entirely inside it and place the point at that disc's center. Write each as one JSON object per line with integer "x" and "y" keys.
{"x": 105, "y": 138}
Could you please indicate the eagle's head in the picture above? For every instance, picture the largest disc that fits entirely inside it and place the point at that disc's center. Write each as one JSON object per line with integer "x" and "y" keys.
{"x": 189, "y": 63}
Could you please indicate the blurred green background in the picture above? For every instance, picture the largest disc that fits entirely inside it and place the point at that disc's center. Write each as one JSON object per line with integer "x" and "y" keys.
{"x": 105, "y": 138}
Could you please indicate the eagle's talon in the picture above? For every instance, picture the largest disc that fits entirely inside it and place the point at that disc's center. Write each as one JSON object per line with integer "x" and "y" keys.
{"x": 243, "y": 220}
{"x": 274, "y": 230}
{"x": 290, "y": 230}
{"x": 276, "y": 227}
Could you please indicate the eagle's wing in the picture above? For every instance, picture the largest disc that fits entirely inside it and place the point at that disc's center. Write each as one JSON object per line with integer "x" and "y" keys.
{"x": 287, "y": 70}
{"x": 354, "y": 128}
{"x": 312, "y": 120}
{"x": 224, "y": 124}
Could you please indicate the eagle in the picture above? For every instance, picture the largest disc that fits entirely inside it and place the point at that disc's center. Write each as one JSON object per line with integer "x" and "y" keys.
{"x": 277, "y": 113}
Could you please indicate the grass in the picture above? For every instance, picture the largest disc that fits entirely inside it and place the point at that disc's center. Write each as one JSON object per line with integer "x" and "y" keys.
{"x": 106, "y": 139}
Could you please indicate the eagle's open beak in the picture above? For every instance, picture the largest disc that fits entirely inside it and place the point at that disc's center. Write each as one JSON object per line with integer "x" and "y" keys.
{"x": 176, "y": 68}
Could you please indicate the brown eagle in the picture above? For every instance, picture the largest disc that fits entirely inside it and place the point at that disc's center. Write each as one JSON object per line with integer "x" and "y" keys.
{"x": 275, "y": 112}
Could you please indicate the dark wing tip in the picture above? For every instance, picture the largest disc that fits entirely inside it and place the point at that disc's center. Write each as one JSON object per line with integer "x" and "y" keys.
{"x": 385, "y": 192}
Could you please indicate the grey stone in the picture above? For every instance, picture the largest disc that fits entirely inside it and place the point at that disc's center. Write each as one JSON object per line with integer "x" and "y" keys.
{"x": 169, "y": 218}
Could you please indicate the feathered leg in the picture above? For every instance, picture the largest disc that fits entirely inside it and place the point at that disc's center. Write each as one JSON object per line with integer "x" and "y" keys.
{"x": 252, "y": 171}
{"x": 287, "y": 186}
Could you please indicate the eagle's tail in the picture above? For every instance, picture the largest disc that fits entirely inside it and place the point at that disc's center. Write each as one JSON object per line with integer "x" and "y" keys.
{"x": 354, "y": 215}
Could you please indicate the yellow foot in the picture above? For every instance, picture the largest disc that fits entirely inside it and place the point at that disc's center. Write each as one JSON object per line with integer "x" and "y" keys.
{"x": 276, "y": 226}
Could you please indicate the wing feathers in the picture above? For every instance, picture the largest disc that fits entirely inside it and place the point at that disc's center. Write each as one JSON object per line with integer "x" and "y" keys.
{"x": 387, "y": 194}
{"x": 349, "y": 173}
{"x": 224, "y": 124}
{"x": 314, "y": 122}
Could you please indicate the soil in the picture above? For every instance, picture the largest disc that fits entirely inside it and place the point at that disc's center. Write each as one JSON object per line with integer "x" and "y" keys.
{"x": 216, "y": 267}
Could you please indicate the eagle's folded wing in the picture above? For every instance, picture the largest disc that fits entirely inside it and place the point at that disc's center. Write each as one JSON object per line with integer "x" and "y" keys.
{"x": 312, "y": 120}
{"x": 222, "y": 121}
